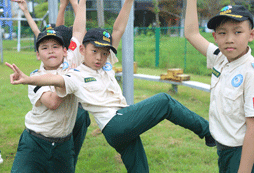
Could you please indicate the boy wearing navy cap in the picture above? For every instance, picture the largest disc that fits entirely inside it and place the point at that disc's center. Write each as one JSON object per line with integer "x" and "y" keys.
{"x": 82, "y": 119}
{"x": 232, "y": 93}
{"x": 94, "y": 83}
{"x": 47, "y": 144}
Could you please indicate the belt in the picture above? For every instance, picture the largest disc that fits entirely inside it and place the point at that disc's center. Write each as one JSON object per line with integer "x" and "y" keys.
{"x": 224, "y": 147}
{"x": 50, "y": 139}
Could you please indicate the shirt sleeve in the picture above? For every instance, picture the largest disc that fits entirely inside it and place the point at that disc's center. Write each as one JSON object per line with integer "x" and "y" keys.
{"x": 71, "y": 85}
{"x": 249, "y": 93}
{"x": 35, "y": 92}
{"x": 74, "y": 56}
{"x": 212, "y": 55}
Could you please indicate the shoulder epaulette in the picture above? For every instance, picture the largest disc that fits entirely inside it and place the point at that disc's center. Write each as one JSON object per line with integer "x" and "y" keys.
{"x": 252, "y": 64}
{"x": 34, "y": 71}
{"x": 216, "y": 52}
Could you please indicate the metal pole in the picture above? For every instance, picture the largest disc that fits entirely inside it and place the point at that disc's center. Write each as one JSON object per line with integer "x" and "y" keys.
{"x": 1, "y": 44}
{"x": 53, "y": 11}
{"x": 100, "y": 13}
{"x": 127, "y": 59}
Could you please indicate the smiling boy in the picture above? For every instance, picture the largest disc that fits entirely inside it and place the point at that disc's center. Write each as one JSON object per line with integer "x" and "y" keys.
{"x": 231, "y": 103}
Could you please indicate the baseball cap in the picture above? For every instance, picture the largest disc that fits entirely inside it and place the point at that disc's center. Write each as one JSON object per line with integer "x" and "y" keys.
{"x": 66, "y": 32}
{"x": 100, "y": 38}
{"x": 236, "y": 12}
{"x": 49, "y": 33}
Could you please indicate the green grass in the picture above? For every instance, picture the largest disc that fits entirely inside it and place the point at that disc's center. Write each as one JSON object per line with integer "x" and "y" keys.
{"x": 169, "y": 148}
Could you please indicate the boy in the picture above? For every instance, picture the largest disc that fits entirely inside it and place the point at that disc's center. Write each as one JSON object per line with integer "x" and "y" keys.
{"x": 82, "y": 119}
{"x": 94, "y": 83}
{"x": 46, "y": 145}
{"x": 231, "y": 103}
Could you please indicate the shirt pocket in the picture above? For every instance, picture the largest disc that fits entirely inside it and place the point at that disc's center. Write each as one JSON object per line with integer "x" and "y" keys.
{"x": 93, "y": 87}
{"x": 232, "y": 101}
{"x": 214, "y": 81}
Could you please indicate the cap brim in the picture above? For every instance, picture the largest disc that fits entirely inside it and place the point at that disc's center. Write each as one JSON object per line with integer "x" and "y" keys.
{"x": 104, "y": 44}
{"x": 52, "y": 36}
{"x": 217, "y": 19}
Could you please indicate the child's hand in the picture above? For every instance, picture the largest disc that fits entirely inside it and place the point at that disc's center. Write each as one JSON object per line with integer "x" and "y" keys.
{"x": 18, "y": 77}
{"x": 22, "y": 4}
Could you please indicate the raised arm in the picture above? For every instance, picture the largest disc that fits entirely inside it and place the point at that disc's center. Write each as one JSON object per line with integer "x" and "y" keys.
{"x": 18, "y": 77}
{"x": 23, "y": 6}
{"x": 79, "y": 26}
{"x": 121, "y": 23}
{"x": 191, "y": 28}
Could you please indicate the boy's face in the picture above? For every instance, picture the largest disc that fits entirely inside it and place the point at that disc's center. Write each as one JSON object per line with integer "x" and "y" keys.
{"x": 232, "y": 38}
{"x": 51, "y": 53}
{"x": 94, "y": 57}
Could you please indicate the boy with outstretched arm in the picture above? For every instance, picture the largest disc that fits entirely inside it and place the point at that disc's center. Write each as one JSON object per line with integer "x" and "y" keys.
{"x": 231, "y": 104}
{"x": 94, "y": 83}
{"x": 46, "y": 145}
{"x": 82, "y": 119}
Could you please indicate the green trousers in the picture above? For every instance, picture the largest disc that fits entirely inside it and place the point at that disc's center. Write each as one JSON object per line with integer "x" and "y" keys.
{"x": 79, "y": 131}
{"x": 37, "y": 155}
{"x": 124, "y": 129}
{"x": 229, "y": 160}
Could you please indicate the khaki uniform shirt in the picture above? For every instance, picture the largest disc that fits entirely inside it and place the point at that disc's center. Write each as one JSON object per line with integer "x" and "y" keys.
{"x": 59, "y": 122}
{"x": 232, "y": 96}
{"x": 97, "y": 90}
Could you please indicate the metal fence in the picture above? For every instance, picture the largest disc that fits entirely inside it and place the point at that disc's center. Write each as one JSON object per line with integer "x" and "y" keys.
{"x": 153, "y": 47}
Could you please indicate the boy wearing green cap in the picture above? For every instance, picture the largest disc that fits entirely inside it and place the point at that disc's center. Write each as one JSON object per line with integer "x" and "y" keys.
{"x": 232, "y": 85}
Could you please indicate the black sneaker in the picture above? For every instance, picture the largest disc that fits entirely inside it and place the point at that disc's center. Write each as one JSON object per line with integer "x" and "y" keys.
{"x": 209, "y": 141}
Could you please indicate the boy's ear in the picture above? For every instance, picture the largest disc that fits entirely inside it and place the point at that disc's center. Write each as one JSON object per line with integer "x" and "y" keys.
{"x": 214, "y": 36}
{"x": 65, "y": 51}
{"x": 38, "y": 55}
{"x": 82, "y": 49}
{"x": 251, "y": 35}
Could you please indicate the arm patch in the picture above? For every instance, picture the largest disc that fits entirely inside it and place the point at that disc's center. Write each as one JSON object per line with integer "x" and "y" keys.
{"x": 36, "y": 88}
{"x": 216, "y": 52}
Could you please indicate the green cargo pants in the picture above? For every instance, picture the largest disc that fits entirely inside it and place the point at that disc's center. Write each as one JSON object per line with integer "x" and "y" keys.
{"x": 229, "y": 160}
{"x": 40, "y": 156}
{"x": 124, "y": 129}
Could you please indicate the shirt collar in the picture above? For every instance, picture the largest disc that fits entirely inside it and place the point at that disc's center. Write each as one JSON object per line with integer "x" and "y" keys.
{"x": 238, "y": 62}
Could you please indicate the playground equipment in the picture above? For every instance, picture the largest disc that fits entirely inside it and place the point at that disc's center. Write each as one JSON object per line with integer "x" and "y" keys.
{"x": 120, "y": 69}
{"x": 175, "y": 74}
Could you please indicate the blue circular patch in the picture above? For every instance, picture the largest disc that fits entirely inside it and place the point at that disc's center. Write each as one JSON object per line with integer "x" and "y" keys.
{"x": 237, "y": 80}
{"x": 107, "y": 67}
{"x": 65, "y": 65}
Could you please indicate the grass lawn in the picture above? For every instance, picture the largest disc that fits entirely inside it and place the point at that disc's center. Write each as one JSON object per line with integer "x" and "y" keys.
{"x": 169, "y": 148}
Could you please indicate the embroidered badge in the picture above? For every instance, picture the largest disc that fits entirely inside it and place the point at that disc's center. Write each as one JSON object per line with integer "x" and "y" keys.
{"x": 72, "y": 46}
{"x": 34, "y": 71}
{"x": 49, "y": 27}
{"x": 51, "y": 32}
{"x": 65, "y": 65}
{"x": 107, "y": 67}
{"x": 237, "y": 80}
{"x": 89, "y": 79}
{"x": 215, "y": 72}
